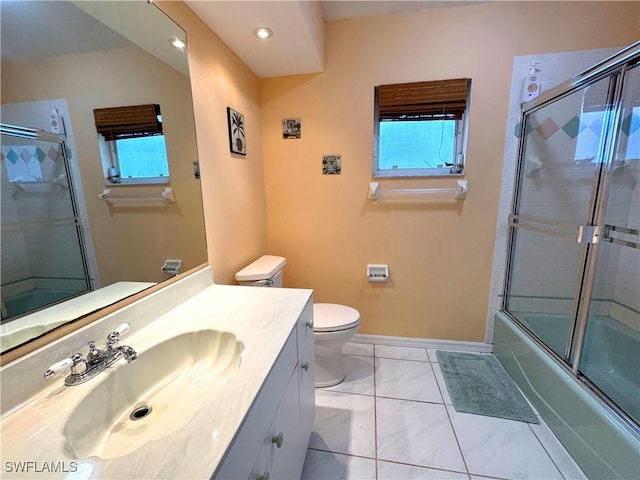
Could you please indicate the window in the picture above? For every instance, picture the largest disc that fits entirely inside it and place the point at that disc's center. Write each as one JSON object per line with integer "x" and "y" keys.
{"x": 419, "y": 128}
{"x": 132, "y": 144}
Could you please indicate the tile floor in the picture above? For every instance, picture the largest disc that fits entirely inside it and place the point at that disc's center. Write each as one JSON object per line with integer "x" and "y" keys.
{"x": 392, "y": 419}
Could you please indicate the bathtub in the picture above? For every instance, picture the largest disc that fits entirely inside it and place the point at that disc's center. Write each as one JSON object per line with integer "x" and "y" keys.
{"x": 599, "y": 441}
{"x": 35, "y": 299}
{"x": 609, "y": 357}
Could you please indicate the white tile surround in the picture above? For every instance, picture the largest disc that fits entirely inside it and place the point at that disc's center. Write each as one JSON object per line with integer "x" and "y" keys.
{"x": 554, "y": 69}
{"x": 22, "y": 263}
{"x": 392, "y": 419}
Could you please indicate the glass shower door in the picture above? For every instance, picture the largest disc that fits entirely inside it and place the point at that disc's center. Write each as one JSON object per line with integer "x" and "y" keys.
{"x": 42, "y": 251}
{"x": 610, "y": 357}
{"x": 561, "y": 165}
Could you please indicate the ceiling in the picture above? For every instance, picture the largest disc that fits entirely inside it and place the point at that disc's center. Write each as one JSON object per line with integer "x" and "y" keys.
{"x": 339, "y": 9}
{"x": 27, "y": 31}
{"x": 36, "y": 29}
{"x": 297, "y": 44}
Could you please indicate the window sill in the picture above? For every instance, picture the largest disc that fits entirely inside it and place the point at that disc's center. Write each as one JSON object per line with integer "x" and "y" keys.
{"x": 138, "y": 181}
{"x": 444, "y": 172}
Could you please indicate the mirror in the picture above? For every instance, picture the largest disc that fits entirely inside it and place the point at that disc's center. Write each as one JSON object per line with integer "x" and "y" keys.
{"x": 68, "y": 246}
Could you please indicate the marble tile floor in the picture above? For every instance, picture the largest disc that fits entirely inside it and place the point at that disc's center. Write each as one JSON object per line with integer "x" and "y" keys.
{"x": 392, "y": 419}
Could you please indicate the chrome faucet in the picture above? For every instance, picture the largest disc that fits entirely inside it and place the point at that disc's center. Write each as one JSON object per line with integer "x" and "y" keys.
{"x": 97, "y": 360}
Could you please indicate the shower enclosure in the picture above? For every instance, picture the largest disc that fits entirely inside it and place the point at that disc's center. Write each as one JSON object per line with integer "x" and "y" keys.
{"x": 43, "y": 258}
{"x": 573, "y": 274}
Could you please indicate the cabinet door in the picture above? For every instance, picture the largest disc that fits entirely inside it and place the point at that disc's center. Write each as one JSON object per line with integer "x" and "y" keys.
{"x": 260, "y": 470}
{"x": 284, "y": 438}
{"x": 306, "y": 372}
{"x": 250, "y": 439}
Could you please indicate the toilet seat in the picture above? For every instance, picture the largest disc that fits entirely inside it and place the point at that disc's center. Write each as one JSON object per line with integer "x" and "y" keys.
{"x": 331, "y": 317}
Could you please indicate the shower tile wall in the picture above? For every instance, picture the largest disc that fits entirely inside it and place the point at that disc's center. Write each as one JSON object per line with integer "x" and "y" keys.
{"x": 29, "y": 205}
{"x": 620, "y": 279}
{"x": 15, "y": 260}
{"x": 560, "y": 136}
{"x": 625, "y": 192}
{"x": 24, "y": 260}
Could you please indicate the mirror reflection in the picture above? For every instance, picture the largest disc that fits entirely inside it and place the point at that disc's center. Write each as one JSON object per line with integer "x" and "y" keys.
{"x": 75, "y": 236}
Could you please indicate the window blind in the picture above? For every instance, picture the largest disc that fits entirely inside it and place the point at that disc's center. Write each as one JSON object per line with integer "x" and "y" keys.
{"x": 128, "y": 122}
{"x": 434, "y": 100}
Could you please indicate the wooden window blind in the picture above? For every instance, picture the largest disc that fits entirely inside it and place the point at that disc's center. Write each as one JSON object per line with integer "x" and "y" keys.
{"x": 128, "y": 122}
{"x": 435, "y": 100}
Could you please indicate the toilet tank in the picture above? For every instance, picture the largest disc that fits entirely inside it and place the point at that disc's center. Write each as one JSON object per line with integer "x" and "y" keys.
{"x": 264, "y": 272}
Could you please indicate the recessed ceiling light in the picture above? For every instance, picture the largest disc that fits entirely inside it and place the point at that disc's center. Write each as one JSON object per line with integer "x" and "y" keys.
{"x": 263, "y": 32}
{"x": 176, "y": 42}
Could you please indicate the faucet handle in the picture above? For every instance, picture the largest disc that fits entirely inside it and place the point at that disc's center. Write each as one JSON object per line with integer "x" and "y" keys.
{"x": 59, "y": 368}
{"x": 114, "y": 337}
{"x": 79, "y": 364}
{"x": 122, "y": 328}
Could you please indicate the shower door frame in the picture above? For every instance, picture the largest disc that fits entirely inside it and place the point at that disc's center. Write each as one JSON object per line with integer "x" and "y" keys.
{"x": 60, "y": 139}
{"x": 614, "y": 68}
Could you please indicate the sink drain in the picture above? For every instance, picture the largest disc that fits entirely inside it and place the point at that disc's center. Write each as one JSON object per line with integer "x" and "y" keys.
{"x": 140, "y": 412}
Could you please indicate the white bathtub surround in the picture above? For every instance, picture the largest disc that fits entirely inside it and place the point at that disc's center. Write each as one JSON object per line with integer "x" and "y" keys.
{"x": 262, "y": 319}
{"x": 372, "y": 427}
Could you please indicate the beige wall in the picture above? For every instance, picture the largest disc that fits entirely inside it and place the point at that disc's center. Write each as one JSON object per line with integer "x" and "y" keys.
{"x": 232, "y": 185}
{"x": 130, "y": 243}
{"x": 440, "y": 256}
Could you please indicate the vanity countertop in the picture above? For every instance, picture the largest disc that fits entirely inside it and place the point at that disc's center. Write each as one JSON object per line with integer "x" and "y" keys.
{"x": 261, "y": 318}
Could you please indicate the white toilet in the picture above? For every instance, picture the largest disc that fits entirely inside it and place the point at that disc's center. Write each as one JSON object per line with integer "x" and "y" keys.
{"x": 333, "y": 325}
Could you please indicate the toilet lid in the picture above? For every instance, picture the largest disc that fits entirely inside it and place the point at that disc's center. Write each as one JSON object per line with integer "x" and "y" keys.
{"x": 330, "y": 317}
{"x": 263, "y": 268}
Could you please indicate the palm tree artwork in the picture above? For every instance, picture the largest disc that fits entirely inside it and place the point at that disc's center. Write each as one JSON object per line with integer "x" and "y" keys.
{"x": 237, "y": 139}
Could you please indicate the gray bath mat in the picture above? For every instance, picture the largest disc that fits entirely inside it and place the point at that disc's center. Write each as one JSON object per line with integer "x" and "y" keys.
{"x": 479, "y": 384}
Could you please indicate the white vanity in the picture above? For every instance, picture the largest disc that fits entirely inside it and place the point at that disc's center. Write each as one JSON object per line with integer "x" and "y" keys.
{"x": 228, "y": 372}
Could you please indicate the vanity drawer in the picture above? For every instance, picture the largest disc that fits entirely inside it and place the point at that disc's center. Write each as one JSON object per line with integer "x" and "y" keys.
{"x": 249, "y": 441}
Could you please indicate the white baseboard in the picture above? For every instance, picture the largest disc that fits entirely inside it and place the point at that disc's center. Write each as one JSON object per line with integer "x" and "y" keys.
{"x": 423, "y": 343}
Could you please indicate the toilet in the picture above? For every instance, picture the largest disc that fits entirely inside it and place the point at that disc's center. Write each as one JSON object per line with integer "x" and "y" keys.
{"x": 333, "y": 325}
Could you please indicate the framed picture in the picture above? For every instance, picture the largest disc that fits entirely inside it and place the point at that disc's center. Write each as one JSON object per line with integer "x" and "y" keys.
{"x": 291, "y": 128}
{"x": 237, "y": 139}
{"x": 331, "y": 164}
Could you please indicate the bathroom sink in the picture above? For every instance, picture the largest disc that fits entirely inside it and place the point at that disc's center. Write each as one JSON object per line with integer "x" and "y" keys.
{"x": 153, "y": 396}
